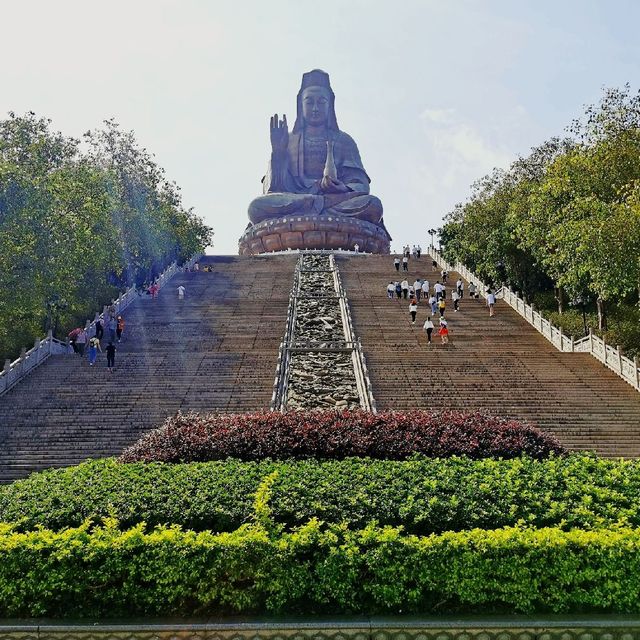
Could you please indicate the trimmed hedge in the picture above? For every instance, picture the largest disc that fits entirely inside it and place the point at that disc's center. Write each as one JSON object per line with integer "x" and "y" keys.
{"x": 391, "y": 435}
{"x": 422, "y": 495}
{"x": 106, "y": 572}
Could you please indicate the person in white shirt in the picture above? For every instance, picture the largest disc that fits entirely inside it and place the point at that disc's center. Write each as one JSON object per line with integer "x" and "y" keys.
{"x": 396, "y": 263}
{"x": 181, "y": 291}
{"x": 434, "y": 305}
{"x": 491, "y": 301}
{"x": 460, "y": 287}
{"x": 456, "y": 299}
{"x": 356, "y": 247}
{"x": 473, "y": 292}
{"x": 413, "y": 309}
{"x": 417, "y": 287}
{"x": 81, "y": 340}
{"x": 405, "y": 263}
{"x": 391, "y": 289}
{"x": 405, "y": 288}
{"x": 437, "y": 288}
{"x": 425, "y": 289}
{"x": 428, "y": 327}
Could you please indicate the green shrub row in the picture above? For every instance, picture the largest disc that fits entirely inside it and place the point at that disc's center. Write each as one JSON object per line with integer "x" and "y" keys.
{"x": 316, "y": 569}
{"x": 422, "y": 495}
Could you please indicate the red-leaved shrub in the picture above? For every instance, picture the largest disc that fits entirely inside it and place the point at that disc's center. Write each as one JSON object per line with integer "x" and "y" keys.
{"x": 392, "y": 435}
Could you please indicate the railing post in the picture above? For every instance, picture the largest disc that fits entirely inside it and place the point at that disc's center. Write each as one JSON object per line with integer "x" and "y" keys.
{"x": 5, "y": 378}
{"x": 590, "y": 340}
{"x": 573, "y": 346}
{"x": 619, "y": 358}
{"x": 604, "y": 349}
{"x": 23, "y": 356}
{"x": 636, "y": 371}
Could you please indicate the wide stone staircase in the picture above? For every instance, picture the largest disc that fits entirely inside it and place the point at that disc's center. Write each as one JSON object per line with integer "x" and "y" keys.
{"x": 216, "y": 350}
{"x": 499, "y": 365}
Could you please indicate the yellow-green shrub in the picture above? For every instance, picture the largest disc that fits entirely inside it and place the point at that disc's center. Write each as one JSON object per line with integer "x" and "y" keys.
{"x": 103, "y": 571}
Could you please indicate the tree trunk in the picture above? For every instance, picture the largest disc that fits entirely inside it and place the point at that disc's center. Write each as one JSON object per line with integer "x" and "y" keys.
{"x": 602, "y": 314}
{"x": 559, "y": 293}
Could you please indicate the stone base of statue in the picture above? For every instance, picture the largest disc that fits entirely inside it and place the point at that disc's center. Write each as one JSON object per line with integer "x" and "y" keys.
{"x": 312, "y": 231}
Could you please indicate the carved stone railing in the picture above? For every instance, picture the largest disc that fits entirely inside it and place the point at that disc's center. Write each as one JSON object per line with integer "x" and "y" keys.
{"x": 329, "y": 353}
{"x": 461, "y": 627}
{"x": 611, "y": 357}
{"x": 14, "y": 372}
{"x": 282, "y": 368}
{"x": 365, "y": 389}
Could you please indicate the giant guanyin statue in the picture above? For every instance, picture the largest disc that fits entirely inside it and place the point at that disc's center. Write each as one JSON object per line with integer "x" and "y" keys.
{"x": 316, "y": 190}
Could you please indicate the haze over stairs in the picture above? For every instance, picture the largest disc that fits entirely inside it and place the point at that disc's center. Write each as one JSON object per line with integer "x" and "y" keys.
{"x": 500, "y": 365}
{"x": 216, "y": 350}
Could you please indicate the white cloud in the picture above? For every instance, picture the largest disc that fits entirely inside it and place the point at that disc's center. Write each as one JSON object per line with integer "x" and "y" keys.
{"x": 444, "y": 116}
{"x": 455, "y": 143}
{"x": 454, "y": 153}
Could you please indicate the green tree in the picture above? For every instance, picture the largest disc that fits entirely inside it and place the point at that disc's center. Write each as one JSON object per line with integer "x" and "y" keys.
{"x": 75, "y": 227}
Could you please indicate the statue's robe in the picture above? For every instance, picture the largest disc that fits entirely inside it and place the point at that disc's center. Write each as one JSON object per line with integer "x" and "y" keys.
{"x": 289, "y": 190}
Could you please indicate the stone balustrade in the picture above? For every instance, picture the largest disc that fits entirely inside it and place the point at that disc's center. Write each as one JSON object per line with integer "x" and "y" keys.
{"x": 599, "y": 627}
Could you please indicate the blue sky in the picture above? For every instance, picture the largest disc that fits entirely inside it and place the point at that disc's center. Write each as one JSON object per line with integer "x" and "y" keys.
{"x": 435, "y": 93}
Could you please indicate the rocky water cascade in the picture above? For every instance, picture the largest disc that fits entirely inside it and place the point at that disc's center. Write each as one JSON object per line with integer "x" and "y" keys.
{"x": 321, "y": 365}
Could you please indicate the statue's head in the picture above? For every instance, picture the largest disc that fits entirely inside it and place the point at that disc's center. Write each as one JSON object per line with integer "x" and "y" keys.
{"x": 316, "y": 101}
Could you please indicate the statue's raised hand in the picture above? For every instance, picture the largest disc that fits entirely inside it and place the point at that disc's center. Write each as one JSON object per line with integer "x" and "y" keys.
{"x": 279, "y": 134}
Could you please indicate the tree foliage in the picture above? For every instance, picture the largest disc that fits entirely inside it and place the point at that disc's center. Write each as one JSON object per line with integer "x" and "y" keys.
{"x": 566, "y": 215}
{"x": 78, "y": 221}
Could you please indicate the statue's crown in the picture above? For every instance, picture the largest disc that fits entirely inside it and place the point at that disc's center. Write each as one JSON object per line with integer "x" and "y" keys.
{"x": 315, "y": 78}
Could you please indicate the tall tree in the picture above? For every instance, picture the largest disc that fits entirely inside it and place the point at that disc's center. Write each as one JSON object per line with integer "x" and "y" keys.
{"x": 76, "y": 226}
